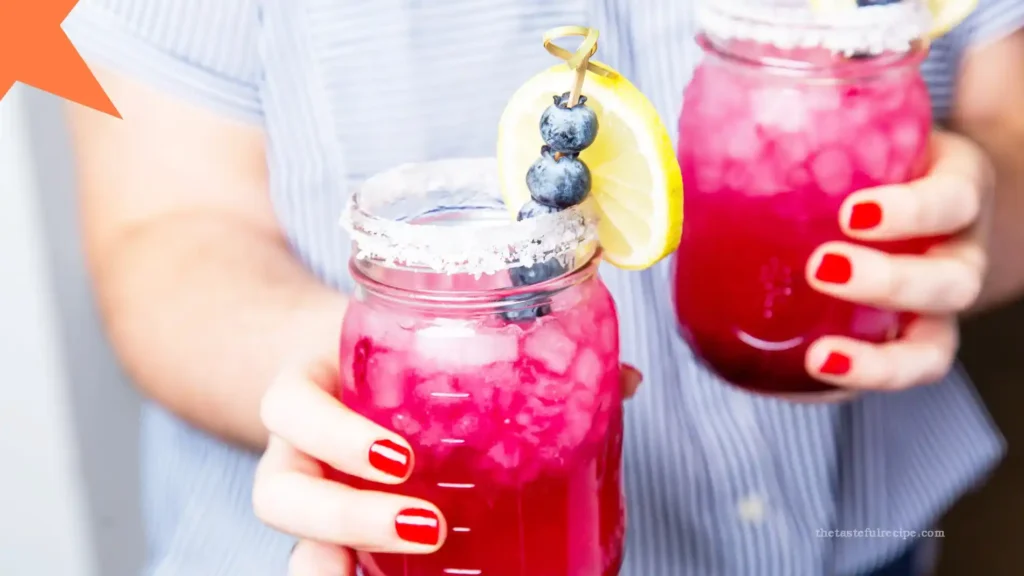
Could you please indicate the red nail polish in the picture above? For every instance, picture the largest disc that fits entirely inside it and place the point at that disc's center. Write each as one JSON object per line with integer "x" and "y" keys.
{"x": 390, "y": 458}
{"x": 418, "y": 526}
{"x": 834, "y": 269}
{"x": 836, "y": 364}
{"x": 865, "y": 215}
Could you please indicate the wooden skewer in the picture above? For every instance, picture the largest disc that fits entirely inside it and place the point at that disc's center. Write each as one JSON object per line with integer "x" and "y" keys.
{"x": 577, "y": 89}
{"x": 578, "y": 61}
{"x": 577, "y": 86}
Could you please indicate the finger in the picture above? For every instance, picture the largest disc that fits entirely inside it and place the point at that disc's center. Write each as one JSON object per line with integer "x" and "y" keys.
{"x": 923, "y": 356}
{"x": 281, "y": 457}
{"x": 310, "y": 419}
{"x": 947, "y": 279}
{"x": 311, "y": 558}
{"x": 946, "y": 201}
{"x": 830, "y": 397}
{"x": 314, "y": 508}
{"x": 631, "y": 379}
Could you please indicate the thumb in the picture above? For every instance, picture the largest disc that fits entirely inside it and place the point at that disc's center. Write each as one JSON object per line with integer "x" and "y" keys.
{"x": 315, "y": 559}
{"x": 630, "y": 378}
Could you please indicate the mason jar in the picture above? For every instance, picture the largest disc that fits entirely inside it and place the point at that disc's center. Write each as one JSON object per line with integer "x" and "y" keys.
{"x": 492, "y": 346}
{"x": 790, "y": 112}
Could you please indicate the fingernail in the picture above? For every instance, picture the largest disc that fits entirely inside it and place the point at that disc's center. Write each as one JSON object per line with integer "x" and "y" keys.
{"x": 390, "y": 458}
{"x": 418, "y": 526}
{"x": 834, "y": 269}
{"x": 836, "y": 364}
{"x": 865, "y": 215}
{"x": 633, "y": 374}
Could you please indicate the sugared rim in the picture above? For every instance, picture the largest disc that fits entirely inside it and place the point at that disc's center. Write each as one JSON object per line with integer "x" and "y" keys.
{"x": 483, "y": 248}
{"x": 795, "y": 24}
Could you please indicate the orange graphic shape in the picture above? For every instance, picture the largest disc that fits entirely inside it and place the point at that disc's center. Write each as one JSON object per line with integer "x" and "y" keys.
{"x": 36, "y": 51}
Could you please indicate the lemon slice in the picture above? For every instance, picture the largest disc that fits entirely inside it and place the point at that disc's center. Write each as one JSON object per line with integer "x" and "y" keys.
{"x": 948, "y": 13}
{"x": 637, "y": 189}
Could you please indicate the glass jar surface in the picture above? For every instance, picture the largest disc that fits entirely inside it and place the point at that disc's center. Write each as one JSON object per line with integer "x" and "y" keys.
{"x": 772, "y": 141}
{"x": 505, "y": 383}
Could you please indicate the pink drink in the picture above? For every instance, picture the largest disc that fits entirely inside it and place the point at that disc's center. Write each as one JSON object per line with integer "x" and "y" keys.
{"x": 768, "y": 156}
{"x": 515, "y": 421}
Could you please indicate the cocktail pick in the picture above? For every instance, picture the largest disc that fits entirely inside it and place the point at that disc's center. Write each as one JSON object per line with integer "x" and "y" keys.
{"x": 579, "y": 60}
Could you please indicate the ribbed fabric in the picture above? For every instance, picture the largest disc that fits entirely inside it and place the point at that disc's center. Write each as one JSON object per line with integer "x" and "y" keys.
{"x": 346, "y": 88}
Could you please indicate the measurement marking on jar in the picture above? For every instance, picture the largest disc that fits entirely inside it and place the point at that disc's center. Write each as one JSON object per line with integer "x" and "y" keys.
{"x": 455, "y": 485}
{"x": 768, "y": 345}
{"x": 460, "y": 529}
{"x": 452, "y": 441}
{"x": 450, "y": 394}
{"x": 462, "y": 571}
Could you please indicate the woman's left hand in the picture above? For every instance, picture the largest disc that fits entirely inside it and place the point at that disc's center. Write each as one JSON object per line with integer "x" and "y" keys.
{"x": 954, "y": 198}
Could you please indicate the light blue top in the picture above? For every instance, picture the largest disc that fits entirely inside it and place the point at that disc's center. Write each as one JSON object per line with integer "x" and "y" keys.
{"x": 720, "y": 483}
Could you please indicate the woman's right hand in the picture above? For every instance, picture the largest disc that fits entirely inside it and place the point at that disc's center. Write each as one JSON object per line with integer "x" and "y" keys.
{"x": 310, "y": 429}
{"x": 309, "y": 426}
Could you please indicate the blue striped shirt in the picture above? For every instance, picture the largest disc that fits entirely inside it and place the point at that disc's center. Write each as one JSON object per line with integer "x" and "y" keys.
{"x": 719, "y": 482}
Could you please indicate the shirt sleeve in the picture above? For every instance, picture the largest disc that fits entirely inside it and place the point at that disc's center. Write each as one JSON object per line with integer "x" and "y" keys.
{"x": 991, "y": 21}
{"x": 205, "y": 51}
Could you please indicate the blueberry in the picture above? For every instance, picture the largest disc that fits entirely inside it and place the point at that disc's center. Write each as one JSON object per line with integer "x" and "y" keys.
{"x": 539, "y": 272}
{"x": 863, "y": 3}
{"x": 523, "y": 314}
{"x": 533, "y": 209}
{"x": 568, "y": 130}
{"x": 528, "y": 276}
{"x": 561, "y": 183}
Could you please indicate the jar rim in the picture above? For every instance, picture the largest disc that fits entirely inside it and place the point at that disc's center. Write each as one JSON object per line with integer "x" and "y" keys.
{"x": 384, "y": 236}
{"x": 506, "y": 298}
{"x": 837, "y": 70}
{"x": 785, "y": 24}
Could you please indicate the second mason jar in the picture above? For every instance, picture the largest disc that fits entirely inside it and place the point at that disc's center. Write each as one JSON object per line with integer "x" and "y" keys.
{"x": 790, "y": 112}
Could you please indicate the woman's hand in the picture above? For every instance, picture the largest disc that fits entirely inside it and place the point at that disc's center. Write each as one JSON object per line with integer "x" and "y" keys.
{"x": 953, "y": 199}
{"x": 308, "y": 426}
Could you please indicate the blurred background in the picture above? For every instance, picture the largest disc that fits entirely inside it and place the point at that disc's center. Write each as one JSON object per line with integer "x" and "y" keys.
{"x": 68, "y": 417}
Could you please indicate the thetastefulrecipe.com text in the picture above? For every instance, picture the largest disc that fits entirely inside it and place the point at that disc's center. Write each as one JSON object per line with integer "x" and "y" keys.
{"x": 880, "y": 533}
